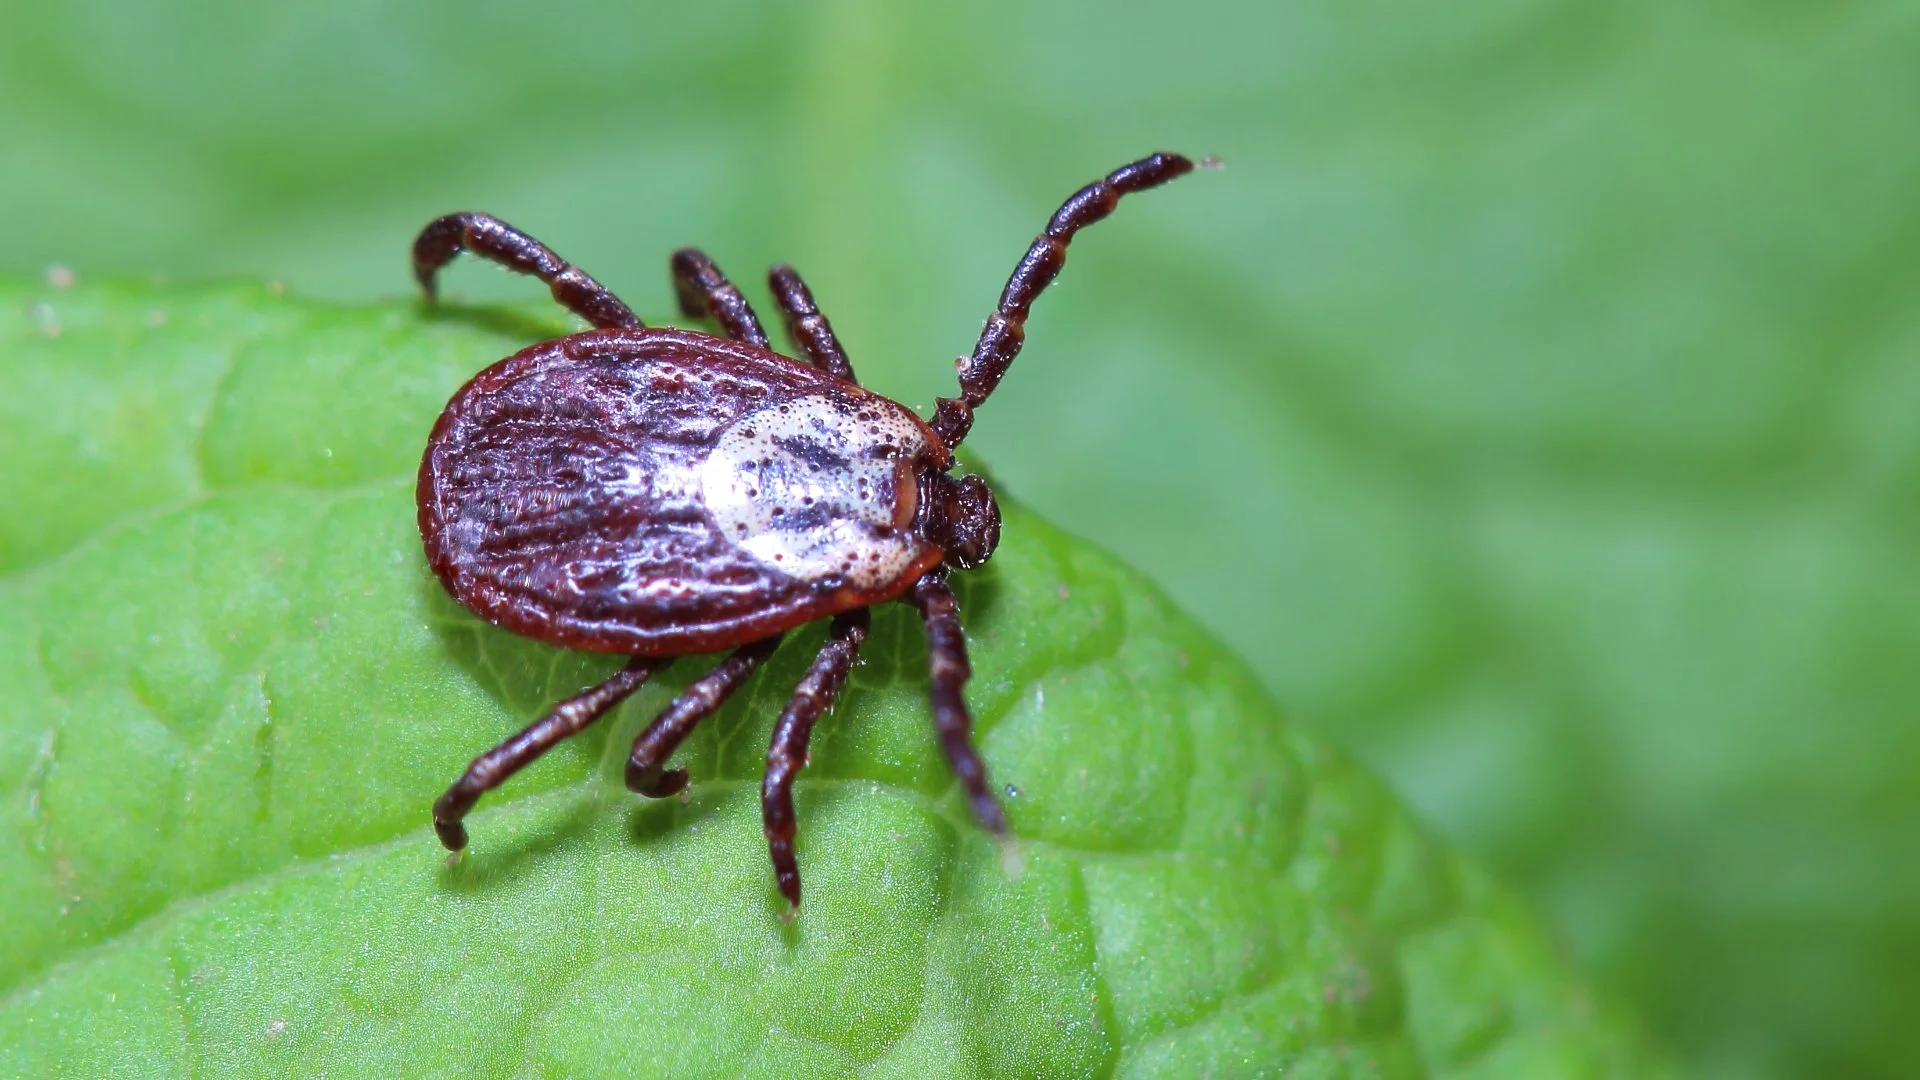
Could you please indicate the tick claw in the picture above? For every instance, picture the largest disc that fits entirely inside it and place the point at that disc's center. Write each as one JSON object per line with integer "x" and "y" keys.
{"x": 654, "y": 782}
{"x": 452, "y": 834}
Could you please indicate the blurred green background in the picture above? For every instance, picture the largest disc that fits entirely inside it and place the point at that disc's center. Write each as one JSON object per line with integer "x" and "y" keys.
{"x": 1531, "y": 400}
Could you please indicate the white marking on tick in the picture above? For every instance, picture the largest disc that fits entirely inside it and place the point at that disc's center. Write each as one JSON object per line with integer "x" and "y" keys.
{"x": 818, "y": 488}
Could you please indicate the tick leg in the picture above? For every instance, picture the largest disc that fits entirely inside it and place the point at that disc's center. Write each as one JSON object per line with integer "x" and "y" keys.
{"x": 806, "y": 327}
{"x": 492, "y": 768}
{"x": 490, "y": 238}
{"x": 1006, "y": 328}
{"x": 705, "y": 292}
{"x": 947, "y": 655}
{"x": 646, "y": 766}
{"x": 788, "y": 752}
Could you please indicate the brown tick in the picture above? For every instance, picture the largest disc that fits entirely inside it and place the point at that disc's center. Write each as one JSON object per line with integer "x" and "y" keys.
{"x": 658, "y": 493}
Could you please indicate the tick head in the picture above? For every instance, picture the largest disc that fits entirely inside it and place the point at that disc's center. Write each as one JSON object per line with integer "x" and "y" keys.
{"x": 959, "y": 517}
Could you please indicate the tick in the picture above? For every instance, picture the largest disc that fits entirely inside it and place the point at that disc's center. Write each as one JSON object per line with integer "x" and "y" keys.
{"x": 656, "y": 493}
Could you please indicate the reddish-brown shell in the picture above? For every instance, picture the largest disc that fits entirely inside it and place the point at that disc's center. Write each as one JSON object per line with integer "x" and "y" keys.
{"x": 560, "y": 498}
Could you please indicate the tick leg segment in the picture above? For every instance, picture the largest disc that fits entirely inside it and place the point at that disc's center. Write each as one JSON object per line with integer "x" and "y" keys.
{"x": 947, "y": 654}
{"x": 1006, "y": 328}
{"x": 787, "y": 754}
{"x": 806, "y": 327}
{"x": 646, "y": 766}
{"x": 492, "y": 768}
{"x": 705, "y": 292}
{"x": 490, "y": 238}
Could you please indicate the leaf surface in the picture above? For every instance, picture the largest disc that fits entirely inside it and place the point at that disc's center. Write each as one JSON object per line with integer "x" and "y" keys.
{"x": 231, "y": 690}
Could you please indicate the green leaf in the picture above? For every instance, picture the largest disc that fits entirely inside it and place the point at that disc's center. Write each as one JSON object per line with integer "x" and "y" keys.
{"x": 229, "y": 690}
{"x": 1529, "y": 402}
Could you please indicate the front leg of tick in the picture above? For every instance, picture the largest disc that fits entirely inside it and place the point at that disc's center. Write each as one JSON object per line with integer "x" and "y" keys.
{"x": 787, "y": 754}
{"x": 947, "y": 657}
{"x": 1006, "y": 328}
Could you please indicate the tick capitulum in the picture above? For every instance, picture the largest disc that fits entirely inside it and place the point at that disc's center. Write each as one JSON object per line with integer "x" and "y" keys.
{"x": 658, "y": 493}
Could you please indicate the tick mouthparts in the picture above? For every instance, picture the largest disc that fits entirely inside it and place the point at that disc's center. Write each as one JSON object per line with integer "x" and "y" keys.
{"x": 960, "y": 517}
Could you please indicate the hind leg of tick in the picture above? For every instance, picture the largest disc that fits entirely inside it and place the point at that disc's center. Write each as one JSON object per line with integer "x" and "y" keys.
{"x": 490, "y": 238}
{"x": 569, "y": 717}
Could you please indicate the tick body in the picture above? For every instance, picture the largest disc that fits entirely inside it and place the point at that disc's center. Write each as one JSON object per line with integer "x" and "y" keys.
{"x": 657, "y": 493}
